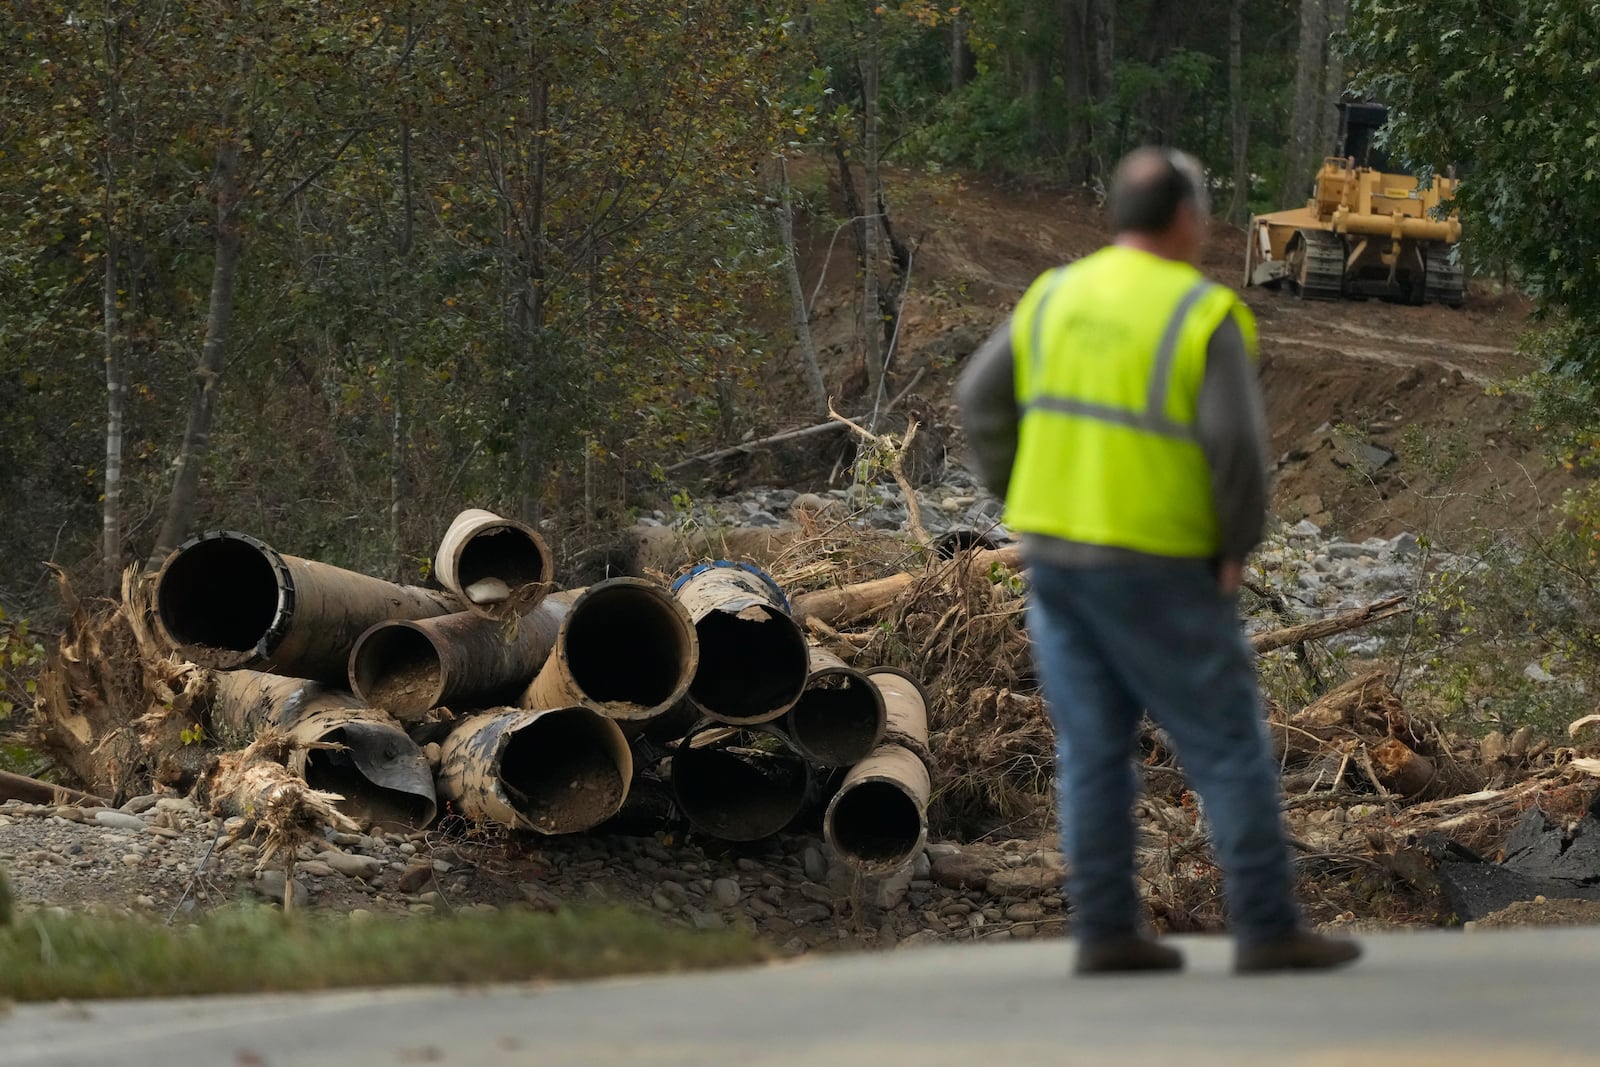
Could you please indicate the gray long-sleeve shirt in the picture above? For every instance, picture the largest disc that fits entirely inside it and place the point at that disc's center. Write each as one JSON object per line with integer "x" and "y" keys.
{"x": 1230, "y": 424}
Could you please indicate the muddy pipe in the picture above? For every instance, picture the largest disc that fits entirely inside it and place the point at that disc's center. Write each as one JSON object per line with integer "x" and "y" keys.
{"x": 738, "y": 783}
{"x": 228, "y": 601}
{"x": 839, "y": 718}
{"x": 878, "y": 820}
{"x": 498, "y": 566}
{"x": 625, "y": 648}
{"x": 380, "y": 773}
{"x": 753, "y": 660}
{"x": 409, "y": 666}
{"x": 559, "y": 771}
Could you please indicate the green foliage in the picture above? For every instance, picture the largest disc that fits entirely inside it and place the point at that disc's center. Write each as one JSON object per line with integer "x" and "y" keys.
{"x": 482, "y": 252}
{"x": 1506, "y": 92}
{"x": 250, "y": 950}
{"x": 1488, "y": 629}
{"x": 21, "y": 656}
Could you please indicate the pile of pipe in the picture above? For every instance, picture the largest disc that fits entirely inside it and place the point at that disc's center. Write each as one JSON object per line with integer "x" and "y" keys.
{"x": 511, "y": 701}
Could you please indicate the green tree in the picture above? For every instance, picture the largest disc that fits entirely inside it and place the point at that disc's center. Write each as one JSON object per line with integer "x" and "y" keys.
{"x": 1507, "y": 93}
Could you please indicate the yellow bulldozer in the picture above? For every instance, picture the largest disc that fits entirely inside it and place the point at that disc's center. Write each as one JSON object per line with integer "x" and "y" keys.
{"x": 1365, "y": 231}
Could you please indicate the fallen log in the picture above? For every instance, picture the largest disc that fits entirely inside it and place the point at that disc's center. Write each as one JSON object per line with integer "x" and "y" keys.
{"x": 848, "y": 603}
{"x": 787, "y": 435}
{"x": 33, "y": 791}
{"x": 1359, "y": 707}
{"x": 1376, "y": 611}
{"x": 1401, "y": 771}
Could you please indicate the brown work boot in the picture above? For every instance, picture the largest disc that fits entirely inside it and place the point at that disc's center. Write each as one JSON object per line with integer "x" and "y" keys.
{"x": 1298, "y": 950}
{"x": 1122, "y": 954}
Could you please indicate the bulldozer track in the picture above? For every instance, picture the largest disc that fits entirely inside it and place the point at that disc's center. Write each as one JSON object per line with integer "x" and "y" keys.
{"x": 1321, "y": 274}
{"x": 1443, "y": 282}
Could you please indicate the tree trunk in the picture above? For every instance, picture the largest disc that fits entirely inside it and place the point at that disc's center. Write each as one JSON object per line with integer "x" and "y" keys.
{"x": 1333, "y": 80}
{"x": 797, "y": 296}
{"x": 116, "y": 395}
{"x": 397, "y": 440}
{"x": 960, "y": 54}
{"x": 202, "y": 408}
{"x": 1305, "y": 120}
{"x": 1239, "y": 203}
{"x": 871, "y": 317}
{"x": 1078, "y": 68}
{"x": 116, "y": 382}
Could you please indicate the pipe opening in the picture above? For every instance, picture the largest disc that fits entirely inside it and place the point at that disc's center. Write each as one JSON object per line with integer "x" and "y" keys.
{"x": 503, "y": 552}
{"x": 876, "y": 823}
{"x": 560, "y": 773}
{"x": 630, "y": 646}
{"x": 753, "y": 664}
{"x": 220, "y": 592}
{"x": 838, "y": 720}
{"x": 367, "y": 802}
{"x": 957, "y": 541}
{"x": 397, "y": 668}
{"x": 739, "y": 785}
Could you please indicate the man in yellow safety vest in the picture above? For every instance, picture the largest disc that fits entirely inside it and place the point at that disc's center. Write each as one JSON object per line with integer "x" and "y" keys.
{"x": 1118, "y": 415}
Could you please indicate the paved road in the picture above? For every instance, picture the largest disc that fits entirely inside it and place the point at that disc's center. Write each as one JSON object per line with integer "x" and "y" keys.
{"x": 1503, "y": 998}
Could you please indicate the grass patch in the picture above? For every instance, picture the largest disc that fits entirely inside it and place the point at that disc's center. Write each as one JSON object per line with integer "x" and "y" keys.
{"x": 255, "y": 949}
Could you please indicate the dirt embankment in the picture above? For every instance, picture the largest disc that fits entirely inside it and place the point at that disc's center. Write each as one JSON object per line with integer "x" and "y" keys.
{"x": 1384, "y": 417}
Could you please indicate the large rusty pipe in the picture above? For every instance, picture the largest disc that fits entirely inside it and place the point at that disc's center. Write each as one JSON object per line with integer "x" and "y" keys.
{"x": 905, "y": 705}
{"x": 408, "y": 666}
{"x": 625, "y": 648}
{"x": 499, "y": 566}
{"x": 878, "y": 820}
{"x": 553, "y": 772}
{"x": 228, "y": 601}
{"x": 839, "y": 719}
{"x": 737, "y": 783}
{"x": 753, "y": 660}
{"x": 368, "y": 760}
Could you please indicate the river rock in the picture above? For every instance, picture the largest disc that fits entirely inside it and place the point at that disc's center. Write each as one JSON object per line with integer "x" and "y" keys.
{"x": 1021, "y": 881}
{"x": 269, "y": 883}
{"x": 119, "y": 820}
{"x": 960, "y": 871}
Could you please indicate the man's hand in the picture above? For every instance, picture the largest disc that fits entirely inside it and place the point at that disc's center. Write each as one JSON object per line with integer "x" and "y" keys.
{"x": 1230, "y": 572}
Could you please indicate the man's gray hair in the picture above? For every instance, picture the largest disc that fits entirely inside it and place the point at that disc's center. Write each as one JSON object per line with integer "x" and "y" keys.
{"x": 1149, "y": 187}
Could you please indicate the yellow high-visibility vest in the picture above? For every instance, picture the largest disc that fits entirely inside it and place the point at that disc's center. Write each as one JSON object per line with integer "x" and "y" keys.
{"x": 1110, "y": 352}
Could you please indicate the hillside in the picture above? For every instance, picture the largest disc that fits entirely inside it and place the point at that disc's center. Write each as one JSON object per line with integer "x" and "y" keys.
{"x": 1413, "y": 382}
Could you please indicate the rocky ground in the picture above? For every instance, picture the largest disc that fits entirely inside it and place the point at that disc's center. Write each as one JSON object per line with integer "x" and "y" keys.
{"x": 161, "y": 857}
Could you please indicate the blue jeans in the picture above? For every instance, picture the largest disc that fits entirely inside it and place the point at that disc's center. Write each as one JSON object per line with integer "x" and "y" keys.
{"x": 1111, "y": 642}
